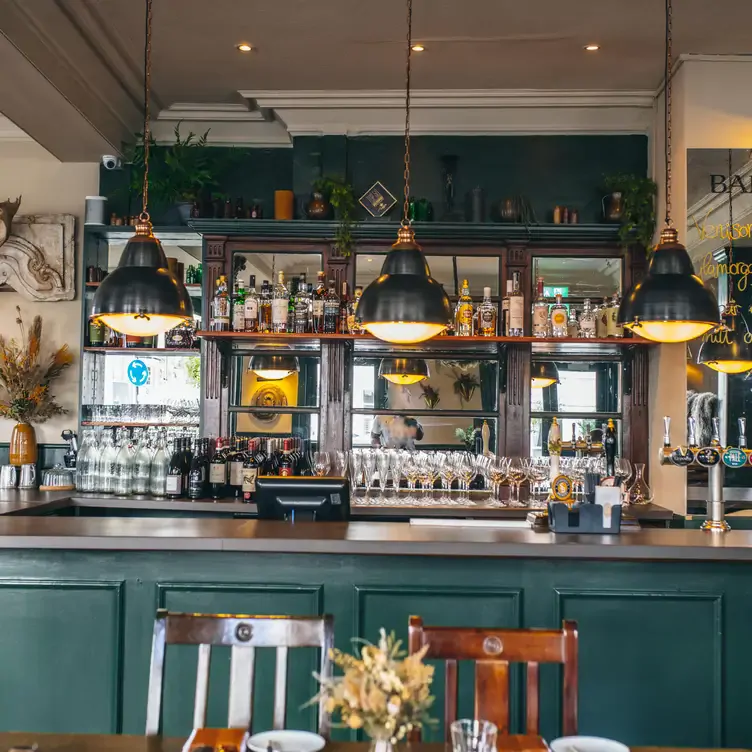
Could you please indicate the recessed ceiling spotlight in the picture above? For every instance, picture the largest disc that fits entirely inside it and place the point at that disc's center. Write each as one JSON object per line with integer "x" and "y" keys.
{"x": 244, "y": 47}
{"x": 418, "y": 48}
{"x": 592, "y": 47}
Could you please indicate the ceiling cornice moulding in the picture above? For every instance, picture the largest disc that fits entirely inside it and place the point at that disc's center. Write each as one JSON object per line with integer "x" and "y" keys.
{"x": 219, "y": 113}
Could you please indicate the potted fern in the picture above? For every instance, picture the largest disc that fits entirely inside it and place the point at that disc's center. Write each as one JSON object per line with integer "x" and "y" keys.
{"x": 340, "y": 195}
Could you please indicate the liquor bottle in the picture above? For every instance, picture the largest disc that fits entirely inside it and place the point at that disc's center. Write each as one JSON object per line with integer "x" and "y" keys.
{"x": 251, "y": 314}
{"x": 573, "y": 326}
{"x": 96, "y": 333}
{"x": 265, "y": 308}
{"x": 317, "y": 304}
{"x": 250, "y": 472}
{"x": 160, "y": 464}
{"x": 141, "y": 465}
{"x": 344, "y": 311}
{"x": 487, "y": 315}
{"x": 197, "y": 473}
{"x": 601, "y": 320}
{"x": 609, "y": 446}
{"x": 516, "y": 308}
{"x": 353, "y": 325}
{"x": 238, "y": 307}
{"x": 271, "y": 463}
{"x": 558, "y": 318}
{"x": 218, "y": 472}
{"x": 331, "y": 310}
{"x": 540, "y": 311}
{"x": 505, "y": 310}
{"x": 463, "y": 312}
{"x": 220, "y": 319}
{"x": 292, "y": 296}
{"x": 588, "y": 326}
{"x": 236, "y": 459}
{"x": 280, "y": 301}
{"x": 286, "y": 466}
{"x": 613, "y": 328}
{"x": 554, "y": 449}
{"x": 174, "y": 483}
{"x": 302, "y": 307}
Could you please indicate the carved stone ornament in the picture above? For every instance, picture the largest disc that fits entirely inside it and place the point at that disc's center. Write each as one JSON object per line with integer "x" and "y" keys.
{"x": 38, "y": 253}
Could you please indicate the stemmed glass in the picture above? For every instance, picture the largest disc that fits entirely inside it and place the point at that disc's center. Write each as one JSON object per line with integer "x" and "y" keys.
{"x": 382, "y": 466}
{"x": 341, "y": 458}
{"x": 429, "y": 471}
{"x": 496, "y": 470}
{"x": 516, "y": 476}
{"x": 321, "y": 463}
{"x": 412, "y": 473}
{"x": 398, "y": 459}
{"x": 467, "y": 471}
{"x": 448, "y": 474}
{"x": 369, "y": 467}
{"x": 356, "y": 469}
{"x": 538, "y": 472}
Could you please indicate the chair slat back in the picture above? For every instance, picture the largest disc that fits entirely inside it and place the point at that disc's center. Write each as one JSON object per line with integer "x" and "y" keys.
{"x": 493, "y": 650}
{"x": 243, "y": 634}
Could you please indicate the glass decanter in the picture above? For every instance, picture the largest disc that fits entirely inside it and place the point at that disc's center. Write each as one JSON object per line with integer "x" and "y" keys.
{"x": 106, "y": 464}
{"x": 639, "y": 492}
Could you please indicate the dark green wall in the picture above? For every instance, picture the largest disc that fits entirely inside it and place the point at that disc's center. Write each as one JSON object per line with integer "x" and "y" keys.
{"x": 548, "y": 170}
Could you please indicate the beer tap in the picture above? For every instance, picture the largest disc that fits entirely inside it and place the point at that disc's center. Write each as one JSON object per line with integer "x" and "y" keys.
{"x": 742, "y": 423}
{"x": 692, "y": 434}
{"x": 665, "y": 452}
{"x": 710, "y": 456}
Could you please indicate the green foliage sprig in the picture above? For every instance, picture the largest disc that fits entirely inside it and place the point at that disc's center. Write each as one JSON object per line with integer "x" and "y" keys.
{"x": 340, "y": 195}
{"x": 638, "y": 221}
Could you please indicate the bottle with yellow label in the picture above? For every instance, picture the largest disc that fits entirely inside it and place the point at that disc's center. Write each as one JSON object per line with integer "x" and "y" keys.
{"x": 613, "y": 328}
{"x": 463, "y": 319}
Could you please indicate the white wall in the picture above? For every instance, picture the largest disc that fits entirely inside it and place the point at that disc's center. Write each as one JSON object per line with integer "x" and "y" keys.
{"x": 48, "y": 186}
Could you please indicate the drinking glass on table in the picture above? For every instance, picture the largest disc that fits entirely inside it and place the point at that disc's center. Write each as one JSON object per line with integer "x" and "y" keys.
{"x": 473, "y": 736}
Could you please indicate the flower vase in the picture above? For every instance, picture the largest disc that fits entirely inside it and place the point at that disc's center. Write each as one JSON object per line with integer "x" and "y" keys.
{"x": 23, "y": 445}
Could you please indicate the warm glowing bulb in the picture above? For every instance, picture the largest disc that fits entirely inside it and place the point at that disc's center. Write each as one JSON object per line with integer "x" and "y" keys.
{"x": 539, "y": 382}
{"x": 244, "y": 47}
{"x": 592, "y": 47}
{"x": 272, "y": 375}
{"x": 403, "y": 379}
{"x": 670, "y": 331}
{"x": 730, "y": 366}
{"x": 418, "y": 48}
{"x": 141, "y": 325}
{"x": 404, "y": 332}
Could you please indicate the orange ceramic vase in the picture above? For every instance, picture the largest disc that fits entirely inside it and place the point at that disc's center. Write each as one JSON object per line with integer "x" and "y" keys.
{"x": 23, "y": 445}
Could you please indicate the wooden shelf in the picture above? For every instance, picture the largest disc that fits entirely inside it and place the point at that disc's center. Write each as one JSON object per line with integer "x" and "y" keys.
{"x": 144, "y": 350}
{"x": 195, "y": 291}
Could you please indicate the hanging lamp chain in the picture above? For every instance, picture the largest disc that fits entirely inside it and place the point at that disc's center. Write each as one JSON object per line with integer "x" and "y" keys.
{"x": 405, "y": 205}
{"x": 144, "y": 216}
{"x": 667, "y": 103}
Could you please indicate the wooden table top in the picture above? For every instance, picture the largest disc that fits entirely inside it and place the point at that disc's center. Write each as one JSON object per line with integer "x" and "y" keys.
{"x": 125, "y": 743}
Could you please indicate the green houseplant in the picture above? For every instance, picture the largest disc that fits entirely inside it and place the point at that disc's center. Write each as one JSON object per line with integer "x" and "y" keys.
{"x": 638, "y": 218}
{"x": 340, "y": 195}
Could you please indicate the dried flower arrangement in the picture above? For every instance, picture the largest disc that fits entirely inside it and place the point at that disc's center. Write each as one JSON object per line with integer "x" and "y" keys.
{"x": 25, "y": 376}
{"x": 383, "y": 691}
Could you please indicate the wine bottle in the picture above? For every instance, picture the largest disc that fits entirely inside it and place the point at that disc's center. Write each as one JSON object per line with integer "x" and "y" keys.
{"x": 218, "y": 472}
{"x": 286, "y": 465}
{"x": 196, "y": 484}
{"x": 235, "y": 459}
{"x": 609, "y": 446}
{"x": 174, "y": 484}
{"x": 250, "y": 473}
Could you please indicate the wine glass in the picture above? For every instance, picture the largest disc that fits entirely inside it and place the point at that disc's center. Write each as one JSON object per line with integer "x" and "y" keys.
{"x": 467, "y": 471}
{"x": 382, "y": 466}
{"x": 369, "y": 467}
{"x": 516, "y": 476}
{"x": 497, "y": 473}
{"x": 429, "y": 471}
{"x": 321, "y": 463}
{"x": 412, "y": 473}
{"x": 341, "y": 459}
{"x": 538, "y": 470}
{"x": 356, "y": 469}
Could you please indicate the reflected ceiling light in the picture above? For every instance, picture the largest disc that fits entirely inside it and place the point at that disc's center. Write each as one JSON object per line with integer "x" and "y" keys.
{"x": 142, "y": 297}
{"x": 403, "y": 371}
{"x": 671, "y": 304}
{"x": 405, "y": 304}
{"x": 244, "y": 47}
{"x": 543, "y": 373}
{"x": 726, "y": 349}
{"x": 418, "y": 48}
{"x": 592, "y": 47}
{"x": 273, "y": 367}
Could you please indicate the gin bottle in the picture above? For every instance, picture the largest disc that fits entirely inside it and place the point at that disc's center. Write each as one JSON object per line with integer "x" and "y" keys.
{"x": 540, "y": 311}
{"x": 251, "y": 314}
{"x": 487, "y": 315}
{"x": 331, "y": 310}
{"x": 558, "y": 318}
{"x": 317, "y": 304}
{"x": 516, "y": 308}
{"x": 302, "y": 304}
{"x": 587, "y": 321}
{"x": 238, "y": 307}
{"x": 573, "y": 326}
{"x": 220, "y": 319}
{"x": 265, "y": 308}
{"x": 613, "y": 328}
{"x": 280, "y": 302}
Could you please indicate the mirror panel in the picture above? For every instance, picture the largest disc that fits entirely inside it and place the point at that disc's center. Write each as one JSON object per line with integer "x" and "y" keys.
{"x": 592, "y": 427}
{"x": 278, "y": 388}
{"x": 268, "y": 265}
{"x": 578, "y": 278}
{"x": 584, "y": 387}
{"x": 277, "y": 424}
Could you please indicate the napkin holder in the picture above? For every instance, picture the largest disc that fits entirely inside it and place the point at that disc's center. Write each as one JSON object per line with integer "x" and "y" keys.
{"x": 584, "y": 518}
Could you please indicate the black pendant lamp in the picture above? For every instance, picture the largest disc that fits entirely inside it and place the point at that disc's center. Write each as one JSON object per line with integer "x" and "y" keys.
{"x": 403, "y": 371}
{"x": 405, "y": 304}
{"x": 142, "y": 297}
{"x": 543, "y": 373}
{"x": 273, "y": 367}
{"x": 727, "y": 349}
{"x": 671, "y": 304}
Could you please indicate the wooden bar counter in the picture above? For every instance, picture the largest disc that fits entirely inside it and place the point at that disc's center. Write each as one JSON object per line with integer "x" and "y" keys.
{"x": 663, "y": 615}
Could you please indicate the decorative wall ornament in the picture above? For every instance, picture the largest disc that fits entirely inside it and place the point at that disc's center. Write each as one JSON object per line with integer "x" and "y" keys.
{"x": 37, "y": 253}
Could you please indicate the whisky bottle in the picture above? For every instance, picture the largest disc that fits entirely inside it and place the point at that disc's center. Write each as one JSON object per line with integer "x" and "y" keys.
{"x": 558, "y": 318}
{"x": 601, "y": 320}
{"x": 540, "y": 311}
{"x": 353, "y": 325}
{"x": 613, "y": 328}
{"x": 251, "y": 315}
{"x": 302, "y": 303}
{"x": 238, "y": 307}
{"x": 292, "y": 295}
{"x": 220, "y": 321}
{"x": 463, "y": 318}
{"x": 265, "y": 308}
{"x": 505, "y": 310}
{"x": 344, "y": 311}
{"x": 317, "y": 304}
{"x": 516, "y": 308}
{"x": 487, "y": 315}
{"x": 280, "y": 300}
{"x": 331, "y": 310}
{"x": 587, "y": 321}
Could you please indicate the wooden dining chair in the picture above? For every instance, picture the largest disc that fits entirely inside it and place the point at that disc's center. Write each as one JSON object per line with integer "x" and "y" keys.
{"x": 243, "y": 634}
{"x": 493, "y": 650}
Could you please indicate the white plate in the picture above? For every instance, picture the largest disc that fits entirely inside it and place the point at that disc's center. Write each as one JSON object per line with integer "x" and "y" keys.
{"x": 286, "y": 741}
{"x": 586, "y": 744}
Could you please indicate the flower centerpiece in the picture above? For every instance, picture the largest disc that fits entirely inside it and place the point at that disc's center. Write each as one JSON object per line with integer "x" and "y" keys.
{"x": 25, "y": 378}
{"x": 383, "y": 691}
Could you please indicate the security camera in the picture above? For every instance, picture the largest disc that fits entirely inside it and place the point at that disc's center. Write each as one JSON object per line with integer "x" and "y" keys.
{"x": 111, "y": 162}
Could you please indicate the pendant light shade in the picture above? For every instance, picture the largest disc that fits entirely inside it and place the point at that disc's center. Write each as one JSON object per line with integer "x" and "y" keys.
{"x": 671, "y": 304}
{"x": 726, "y": 351}
{"x": 274, "y": 367}
{"x": 543, "y": 373}
{"x": 404, "y": 304}
{"x": 403, "y": 371}
{"x": 142, "y": 297}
